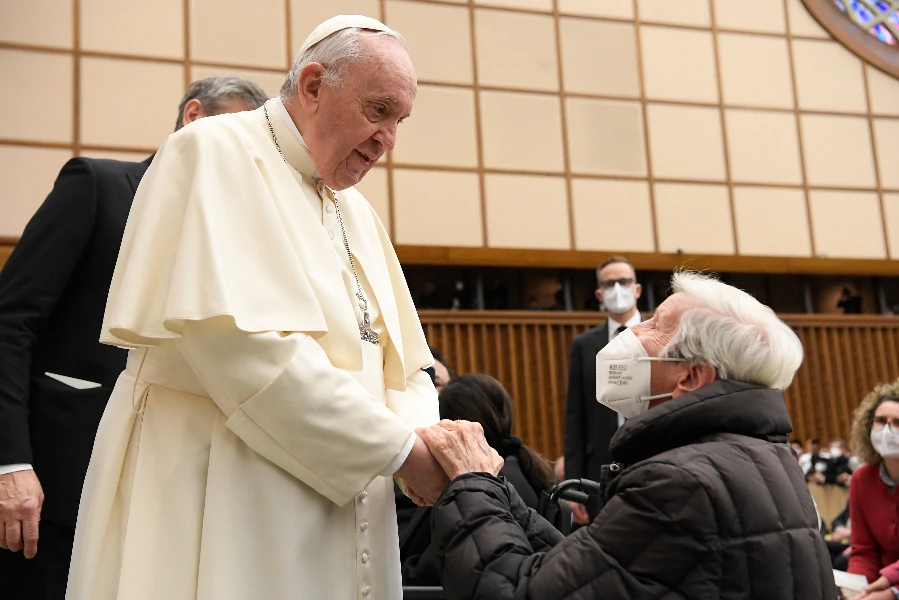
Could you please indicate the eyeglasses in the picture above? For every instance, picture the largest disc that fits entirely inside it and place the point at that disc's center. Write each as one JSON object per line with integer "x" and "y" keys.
{"x": 608, "y": 284}
{"x": 880, "y": 422}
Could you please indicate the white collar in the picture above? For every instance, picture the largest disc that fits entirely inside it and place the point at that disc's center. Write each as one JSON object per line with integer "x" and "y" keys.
{"x": 614, "y": 325}
{"x": 285, "y": 116}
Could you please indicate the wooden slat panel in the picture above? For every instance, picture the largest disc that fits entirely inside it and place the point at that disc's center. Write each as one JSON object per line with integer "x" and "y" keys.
{"x": 527, "y": 351}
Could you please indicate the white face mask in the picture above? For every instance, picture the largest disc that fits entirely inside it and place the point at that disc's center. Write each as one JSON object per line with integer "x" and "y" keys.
{"x": 885, "y": 441}
{"x": 623, "y": 372}
{"x": 619, "y": 299}
{"x": 836, "y": 453}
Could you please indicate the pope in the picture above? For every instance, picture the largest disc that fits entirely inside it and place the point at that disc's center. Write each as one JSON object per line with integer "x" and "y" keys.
{"x": 274, "y": 381}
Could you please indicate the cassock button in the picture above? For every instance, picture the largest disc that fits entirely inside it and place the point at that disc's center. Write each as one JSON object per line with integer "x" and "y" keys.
{"x": 328, "y": 209}
{"x": 365, "y": 558}
{"x": 364, "y": 526}
{"x": 366, "y": 591}
{"x": 331, "y": 234}
{"x": 363, "y": 495}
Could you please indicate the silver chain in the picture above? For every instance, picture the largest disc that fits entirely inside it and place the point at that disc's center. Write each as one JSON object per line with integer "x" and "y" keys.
{"x": 365, "y": 330}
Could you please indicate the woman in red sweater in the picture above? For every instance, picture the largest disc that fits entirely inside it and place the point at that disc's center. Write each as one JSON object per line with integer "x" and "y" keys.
{"x": 874, "y": 493}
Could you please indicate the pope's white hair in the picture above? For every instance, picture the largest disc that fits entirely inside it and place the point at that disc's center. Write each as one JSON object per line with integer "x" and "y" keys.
{"x": 727, "y": 328}
{"x": 336, "y": 52}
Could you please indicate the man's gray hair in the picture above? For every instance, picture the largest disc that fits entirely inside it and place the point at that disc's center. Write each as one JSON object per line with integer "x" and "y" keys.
{"x": 732, "y": 331}
{"x": 215, "y": 92}
{"x": 336, "y": 53}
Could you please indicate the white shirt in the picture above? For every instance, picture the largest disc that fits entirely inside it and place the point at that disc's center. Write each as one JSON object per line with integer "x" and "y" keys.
{"x": 613, "y": 326}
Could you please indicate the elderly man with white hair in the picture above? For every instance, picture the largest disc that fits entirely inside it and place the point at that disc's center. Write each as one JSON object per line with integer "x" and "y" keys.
{"x": 274, "y": 381}
{"x": 706, "y": 499}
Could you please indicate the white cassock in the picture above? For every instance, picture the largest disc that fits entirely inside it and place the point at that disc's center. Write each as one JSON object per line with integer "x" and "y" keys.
{"x": 247, "y": 448}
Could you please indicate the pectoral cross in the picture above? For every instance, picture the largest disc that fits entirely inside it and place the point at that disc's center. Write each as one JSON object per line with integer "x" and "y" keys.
{"x": 365, "y": 331}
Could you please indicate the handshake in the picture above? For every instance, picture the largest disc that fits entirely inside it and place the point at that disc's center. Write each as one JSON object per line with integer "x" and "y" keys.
{"x": 443, "y": 452}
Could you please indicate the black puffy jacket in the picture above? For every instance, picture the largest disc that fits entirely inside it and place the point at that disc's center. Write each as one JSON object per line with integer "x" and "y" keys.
{"x": 713, "y": 505}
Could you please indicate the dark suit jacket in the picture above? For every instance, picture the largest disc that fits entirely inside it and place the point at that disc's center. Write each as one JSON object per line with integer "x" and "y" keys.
{"x": 52, "y": 298}
{"x": 589, "y": 426}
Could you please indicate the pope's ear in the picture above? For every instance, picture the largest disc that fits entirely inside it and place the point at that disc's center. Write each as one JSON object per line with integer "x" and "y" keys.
{"x": 309, "y": 87}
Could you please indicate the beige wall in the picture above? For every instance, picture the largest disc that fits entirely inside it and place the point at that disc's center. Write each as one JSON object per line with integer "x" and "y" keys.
{"x": 706, "y": 126}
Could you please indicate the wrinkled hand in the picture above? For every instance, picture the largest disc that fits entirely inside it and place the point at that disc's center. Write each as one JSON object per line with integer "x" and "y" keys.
{"x": 21, "y": 499}
{"x": 874, "y": 590}
{"x": 460, "y": 447}
{"x": 579, "y": 513}
{"x": 422, "y": 476}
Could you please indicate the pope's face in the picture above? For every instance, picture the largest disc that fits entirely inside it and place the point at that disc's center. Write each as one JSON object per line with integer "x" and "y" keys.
{"x": 356, "y": 121}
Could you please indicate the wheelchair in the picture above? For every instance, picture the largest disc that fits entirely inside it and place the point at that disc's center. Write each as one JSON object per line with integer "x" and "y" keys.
{"x": 551, "y": 507}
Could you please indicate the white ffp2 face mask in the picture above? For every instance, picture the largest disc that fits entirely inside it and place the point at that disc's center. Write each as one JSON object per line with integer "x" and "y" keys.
{"x": 885, "y": 442}
{"x": 623, "y": 371}
{"x": 619, "y": 299}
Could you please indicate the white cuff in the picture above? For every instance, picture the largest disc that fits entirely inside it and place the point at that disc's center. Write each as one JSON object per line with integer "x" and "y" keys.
{"x": 6, "y": 469}
{"x": 400, "y": 458}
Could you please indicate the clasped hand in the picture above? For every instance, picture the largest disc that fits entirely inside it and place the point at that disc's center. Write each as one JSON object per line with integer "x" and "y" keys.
{"x": 454, "y": 448}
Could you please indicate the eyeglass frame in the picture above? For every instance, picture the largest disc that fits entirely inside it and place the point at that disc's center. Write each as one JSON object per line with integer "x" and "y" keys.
{"x": 893, "y": 423}
{"x": 608, "y": 284}
{"x": 872, "y": 419}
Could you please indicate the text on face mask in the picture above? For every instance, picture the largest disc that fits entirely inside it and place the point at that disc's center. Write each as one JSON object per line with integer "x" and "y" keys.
{"x": 618, "y": 375}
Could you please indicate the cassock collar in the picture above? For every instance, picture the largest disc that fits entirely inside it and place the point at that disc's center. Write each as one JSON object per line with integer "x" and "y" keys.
{"x": 293, "y": 146}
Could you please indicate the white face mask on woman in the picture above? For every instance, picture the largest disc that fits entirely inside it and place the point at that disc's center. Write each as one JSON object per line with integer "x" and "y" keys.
{"x": 623, "y": 371}
{"x": 885, "y": 441}
{"x": 619, "y": 300}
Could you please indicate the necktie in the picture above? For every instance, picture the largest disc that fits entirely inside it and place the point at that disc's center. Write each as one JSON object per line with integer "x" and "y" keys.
{"x": 620, "y": 329}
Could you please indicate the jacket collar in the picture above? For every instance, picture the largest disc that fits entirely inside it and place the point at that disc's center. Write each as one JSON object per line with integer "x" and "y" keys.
{"x": 723, "y": 406}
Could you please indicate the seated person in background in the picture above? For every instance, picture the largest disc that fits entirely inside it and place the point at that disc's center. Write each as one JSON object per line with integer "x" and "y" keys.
{"x": 850, "y": 302}
{"x": 812, "y": 447}
{"x": 837, "y": 540}
{"x": 482, "y": 399}
{"x": 443, "y": 374}
{"x": 831, "y": 466}
{"x": 873, "y": 499}
{"x": 709, "y": 501}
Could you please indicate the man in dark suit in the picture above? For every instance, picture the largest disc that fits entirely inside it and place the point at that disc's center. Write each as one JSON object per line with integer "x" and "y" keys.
{"x": 589, "y": 426}
{"x": 55, "y": 377}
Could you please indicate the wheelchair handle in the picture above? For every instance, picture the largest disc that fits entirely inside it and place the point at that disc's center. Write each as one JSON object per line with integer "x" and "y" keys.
{"x": 577, "y": 490}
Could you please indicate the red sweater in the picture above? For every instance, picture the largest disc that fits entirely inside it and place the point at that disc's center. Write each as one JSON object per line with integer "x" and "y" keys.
{"x": 874, "y": 519}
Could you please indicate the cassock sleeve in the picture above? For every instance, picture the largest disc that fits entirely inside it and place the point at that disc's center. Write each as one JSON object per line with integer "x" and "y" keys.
{"x": 284, "y": 399}
{"x": 417, "y": 406}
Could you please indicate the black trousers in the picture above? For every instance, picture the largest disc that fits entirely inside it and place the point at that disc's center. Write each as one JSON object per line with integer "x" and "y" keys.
{"x": 44, "y": 576}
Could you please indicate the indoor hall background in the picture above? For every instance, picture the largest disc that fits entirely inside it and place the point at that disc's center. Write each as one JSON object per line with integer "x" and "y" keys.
{"x": 714, "y": 127}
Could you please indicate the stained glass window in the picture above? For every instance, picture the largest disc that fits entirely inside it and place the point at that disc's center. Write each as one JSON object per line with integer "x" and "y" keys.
{"x": 879, "y": 17}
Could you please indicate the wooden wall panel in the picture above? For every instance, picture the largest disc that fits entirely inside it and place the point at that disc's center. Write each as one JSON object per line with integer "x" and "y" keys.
{"x": 845, "y": 356}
